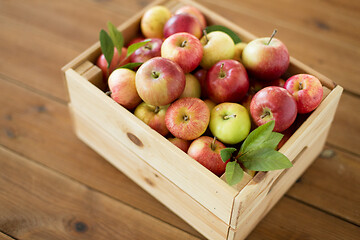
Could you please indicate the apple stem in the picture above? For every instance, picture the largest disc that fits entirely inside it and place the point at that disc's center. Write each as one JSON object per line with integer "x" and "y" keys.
{"x": 301, "y": 86}
{"x": 229, "y": 116}
{"x": 183, "y": 44}
{"x": 213, "y": 144}
{"x": 222, "y": 73}
{"x": 186, "y": 118}
{"x": 108, "y": 93}
{"x": 147, "y": 47}
{"x": 157, "y": 109}
{"x": 272, "y": 35}
{"x": 205, "y": 35}
{"x": 155, "y": 74}
{"x": 265, "y": 114}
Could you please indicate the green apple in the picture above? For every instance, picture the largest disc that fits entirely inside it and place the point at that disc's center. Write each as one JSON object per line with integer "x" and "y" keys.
{"x": 192, "y": 87}
{"x": 239, "y": 47}
{"x": 230, "y": 122}
{"x": 217, "y": 46}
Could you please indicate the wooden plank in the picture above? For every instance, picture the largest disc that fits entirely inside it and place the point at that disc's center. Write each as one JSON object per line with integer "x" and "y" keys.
{"x": 329, "y": 184}
{"x": 5, "y": 237}
{"x": 149, "y": 179}
{"x": 169, "y": 160}
{"x": 290, "y": 219}
{"x": 320, "y": 53}
{"x": 41, "y": 129}
{"x": 345, "y": 132}
{"x": 37, "y": 203}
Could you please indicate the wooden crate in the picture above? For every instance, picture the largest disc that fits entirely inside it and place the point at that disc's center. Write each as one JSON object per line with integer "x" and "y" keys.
{"x": 203, "y": 200}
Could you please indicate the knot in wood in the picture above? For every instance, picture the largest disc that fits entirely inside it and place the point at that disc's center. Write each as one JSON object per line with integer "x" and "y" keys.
{"x": 135, "y": 139}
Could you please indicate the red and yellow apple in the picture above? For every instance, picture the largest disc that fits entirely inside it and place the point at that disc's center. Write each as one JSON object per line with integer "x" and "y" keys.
{"x": 192, "y": 87}
{"x": 187, "y": 118}
{"x": 159, "y": 81}
{"x": 153, "y": 21}
{"x": 184, "y": 49}
{"x": 194, "y": 12}
{"x": 117, "y": 61}
{"x": 153, "y": 116}
{"x": 150, "y": 50}
{"x": 122, "y": 86}
{"x": 273, "y": 103}
{"x": 180, "y": 143}
{"x": 307, "y": 91}
{"x": 207, "y": 152}
{"x": 183, "y": 23}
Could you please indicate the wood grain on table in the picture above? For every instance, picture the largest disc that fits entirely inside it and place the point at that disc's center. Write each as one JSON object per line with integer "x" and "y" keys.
{"x": 52, "y": 186}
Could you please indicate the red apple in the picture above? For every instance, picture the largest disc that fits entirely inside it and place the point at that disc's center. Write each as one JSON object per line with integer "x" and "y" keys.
{"x": 201, "y": 76}
{"x": 266, "y": 60}
{"x": 187, "y": 118}
{"x": 256, "y": 85}
{"x": 184, "y": 49}
{"x": 307, "y": 91}
{"x": 207, "y": 152}
{"x": 227, "y": 81}
{"x": 192, "y": 87}
{"x": 122, "y": 86}
{"x": 135, "y": 40}
{"x": 159, "y": 81}
{"x": 150, "y": 50}
{"x": 273, "y": 103}
{"x": 183, "y": 23}
{"x": 180, "y": 143}
{"x": 116, "y": 62}
{"x": 194, "y": 12}
{"x": 153, "y": 116}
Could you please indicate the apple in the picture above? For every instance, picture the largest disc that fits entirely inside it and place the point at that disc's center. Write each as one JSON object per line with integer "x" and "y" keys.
{"x": 180, "y": 143}
{"x": 307, "y": 91}
{"x": 150, "y": 50}
{"x": 256, "y": 85}
{"x": 210, "y": 104}
{"x": 135, "y": 40}
{"x": 273, "y": 103}
{"x": 192, "y": 87}
{"x": 239, "y": 47}
{"x": 217, "y": 46}
{"x": 159, "y": 81}
{"x": 194, "y": 12}
{"x": 207, "y": 152}
{"x": 187, "y": 118}
{"x": 227, "y": 81}
{"x": 200, "y": 74}
{"x": 153, "y": 116}
{"x": 266, "y": 58}
{"x": 153, "y": 21}
{"x": 122, "y": 86}
{"x": 184, "y": 49}
{"x": 116, "y": 62}
{"x": 183, "y": 23}
{"x": 230, "y": 122}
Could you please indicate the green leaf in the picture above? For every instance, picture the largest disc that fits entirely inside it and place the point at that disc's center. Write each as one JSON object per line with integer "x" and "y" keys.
{"x": 116, "y": 37}
{"x": 264, "y": 159}
{"x": 226, "y": 153}
{"x": 273, "y": 140}
{"x": 131, "y": 65}
{"x": 226, "y": 30}
{"x": 257, "y": 137}
{"x": 107, "y": 46}
{"x": 233, "y": 173}
{"x": 133, "y": 47}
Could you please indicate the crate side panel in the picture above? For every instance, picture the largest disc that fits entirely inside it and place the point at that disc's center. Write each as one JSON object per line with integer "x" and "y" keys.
{"x": 170, "y": 161}
{"x": 278, "y": 188}
{"x": 149, "y": 179}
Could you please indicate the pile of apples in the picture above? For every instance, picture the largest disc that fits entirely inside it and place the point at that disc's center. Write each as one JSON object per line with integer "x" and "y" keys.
{"x": 201, "y": 90}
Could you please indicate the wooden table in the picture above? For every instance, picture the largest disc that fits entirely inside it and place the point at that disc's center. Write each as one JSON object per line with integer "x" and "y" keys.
{"x": 52, "y": 186}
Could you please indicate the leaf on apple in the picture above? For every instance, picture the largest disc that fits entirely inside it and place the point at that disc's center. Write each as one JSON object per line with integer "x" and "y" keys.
{"x": 116, "y": 37}
{"x": 226, "y": 30}
{"x": 131, "y": 66}
{"x": 133, "y": 47}
{"x": 107, "y": 46}
{"x": 226, "y": 153}
{"x": 265, "y": 159}
{"x": 257, "y": 137}
{"x": 233, "y": 173}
